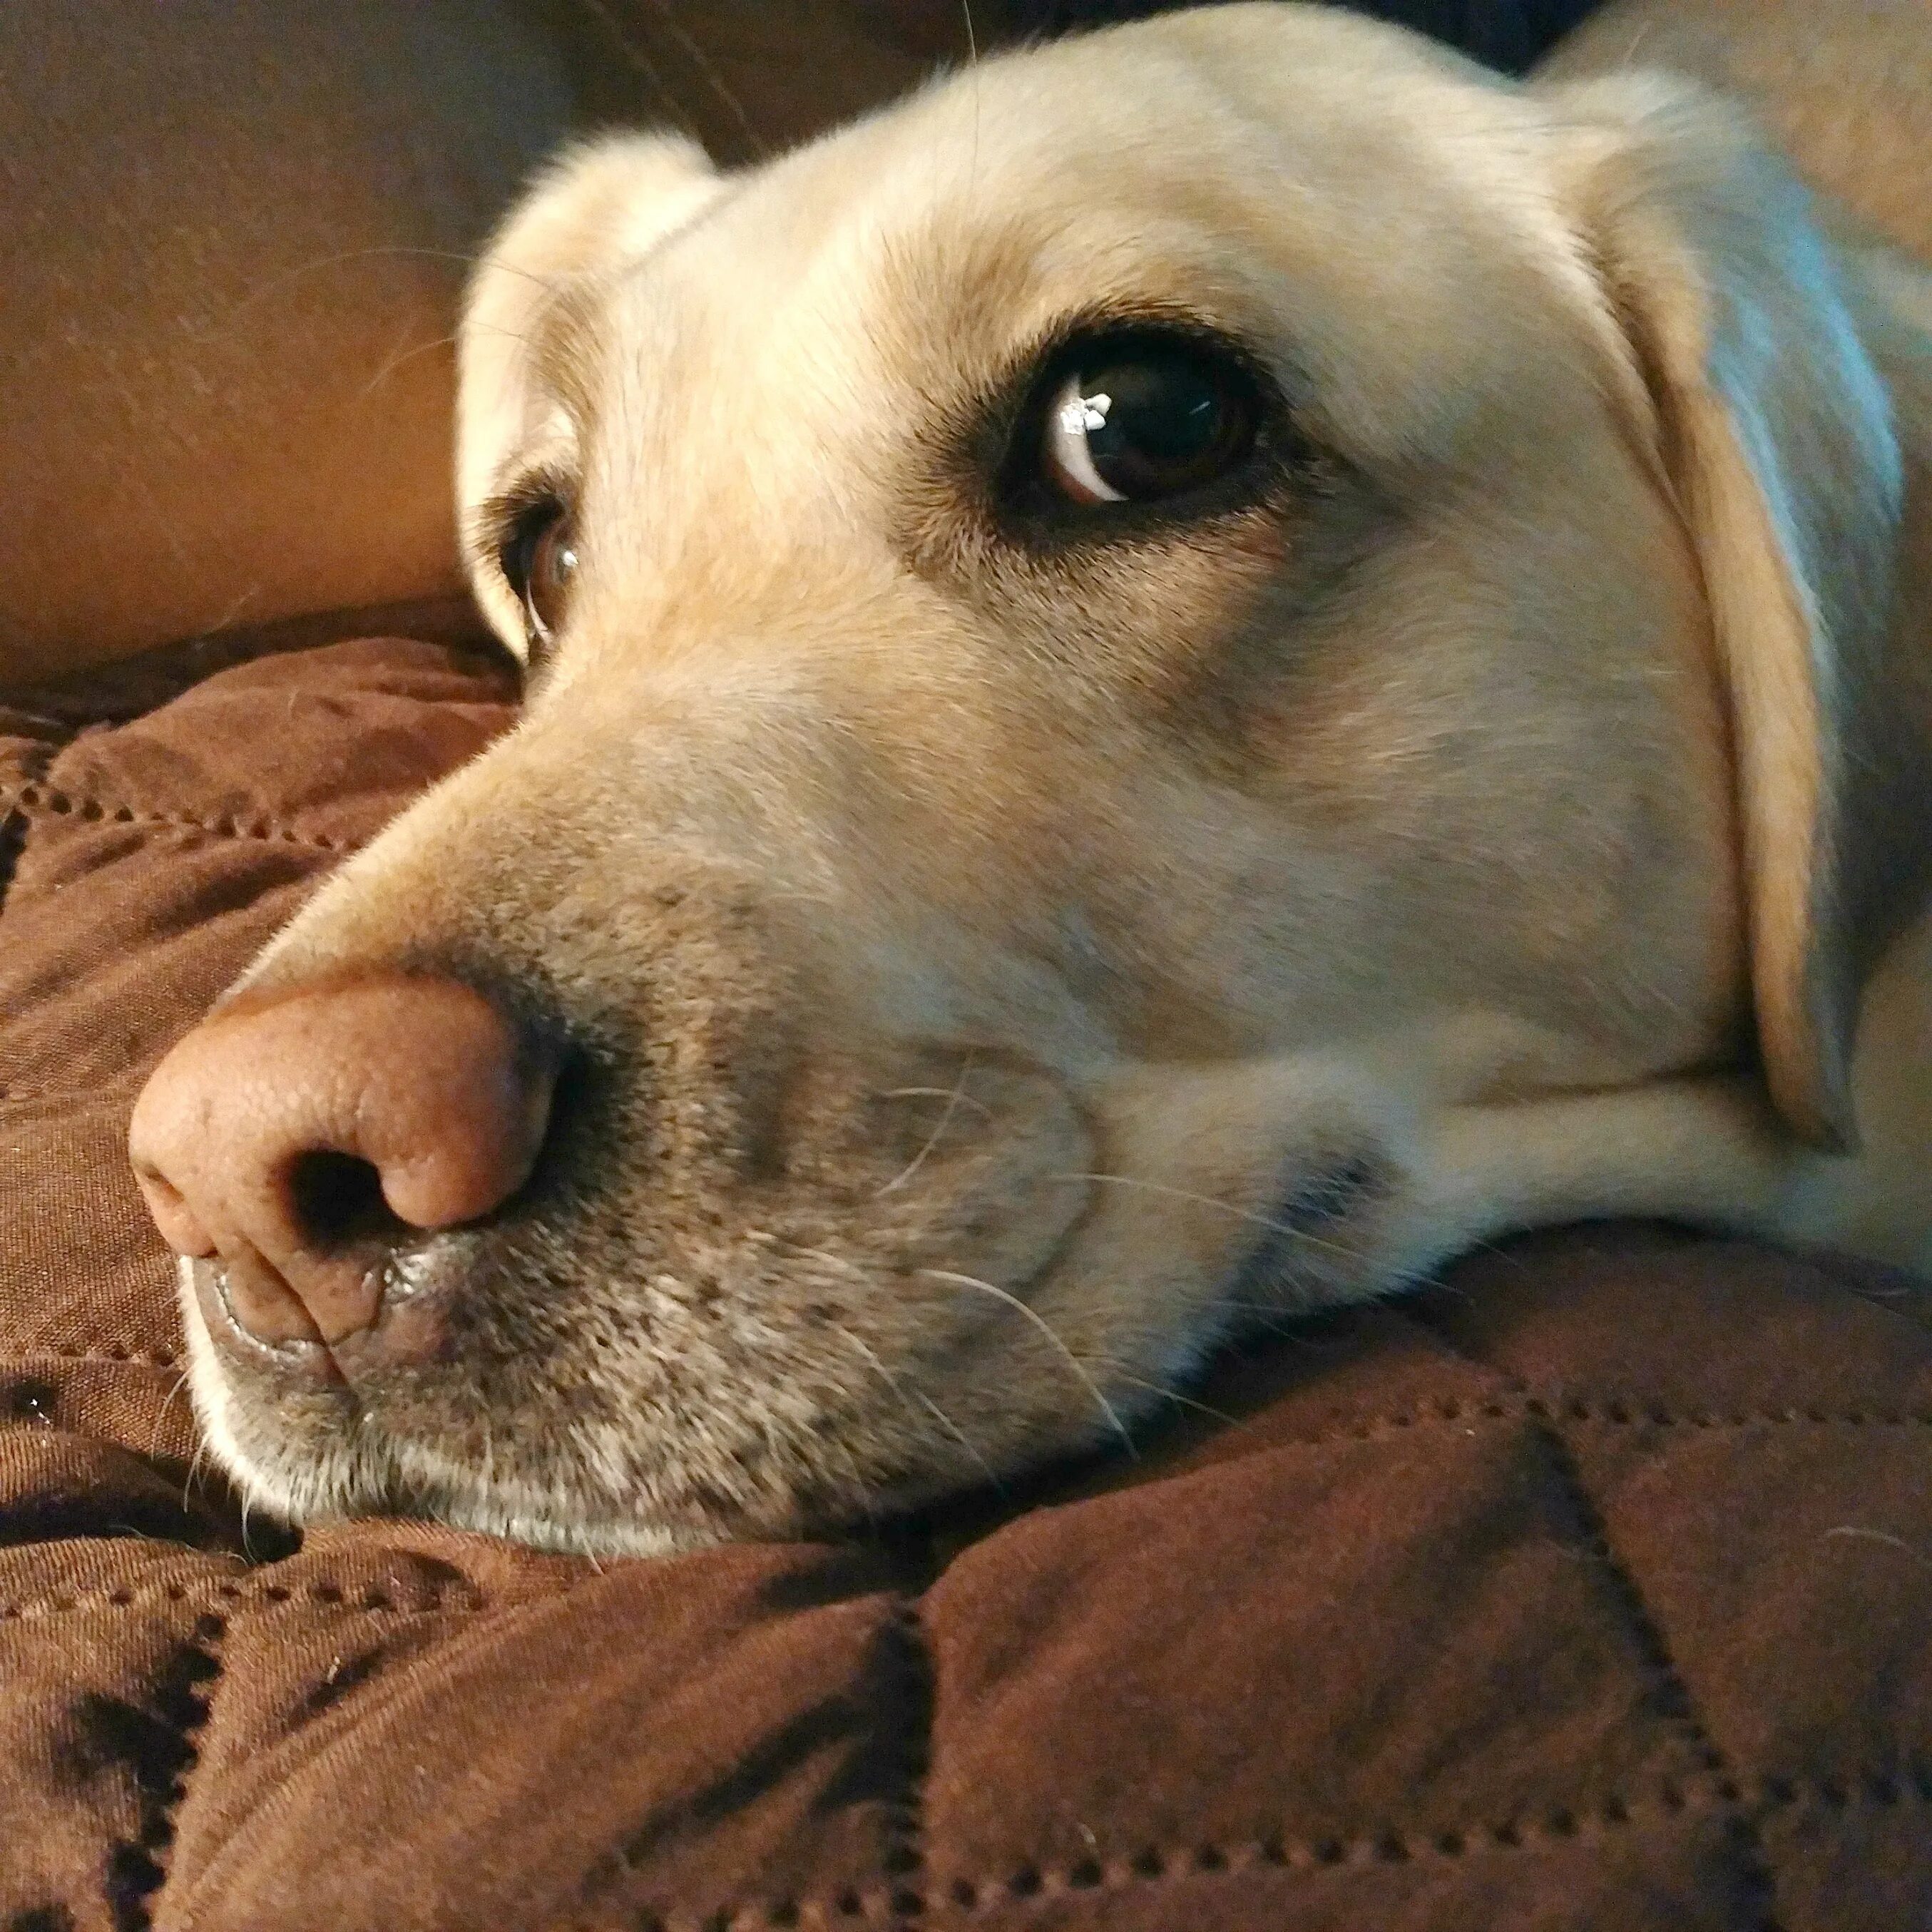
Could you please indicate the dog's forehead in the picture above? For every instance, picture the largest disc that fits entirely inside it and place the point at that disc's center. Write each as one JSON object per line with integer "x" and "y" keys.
{"x": 1306, "y": 180}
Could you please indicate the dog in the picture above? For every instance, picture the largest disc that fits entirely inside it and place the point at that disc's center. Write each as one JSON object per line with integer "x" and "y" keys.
{"x": 1201, "y": 666}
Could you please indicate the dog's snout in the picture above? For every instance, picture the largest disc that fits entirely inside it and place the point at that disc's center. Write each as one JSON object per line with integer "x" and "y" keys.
{"x": 300, "y": 1135}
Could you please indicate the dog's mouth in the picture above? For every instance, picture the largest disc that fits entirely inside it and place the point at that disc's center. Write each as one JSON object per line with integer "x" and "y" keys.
{"x": 687, "y": 1326}
{"x": 798, "y": 1372}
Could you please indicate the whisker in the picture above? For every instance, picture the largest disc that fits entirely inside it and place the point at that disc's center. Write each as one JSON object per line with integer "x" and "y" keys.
{"x": 1226, "y": 1208}
{"x": 393, "y": 363}
{"x": 1174, "y": 1396}
{"x": 193, "y": 1469}
{"x": 940, "y": 1093}
{"x": 972, "y": 67}
{"x": 262, "y": 290}
{"x": 645, "y": 67}
{"x": 945, "y": 1120}
{"x": 713, "y": 78}
{"x": 1053, "y": 1337}
{"x": 161, "y": 1415}
{"x": 871, "y": 1356}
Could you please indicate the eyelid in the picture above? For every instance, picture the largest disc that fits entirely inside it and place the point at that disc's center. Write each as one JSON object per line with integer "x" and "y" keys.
{"x": 1045, "y": 358}
{"x": 495, "y": 519}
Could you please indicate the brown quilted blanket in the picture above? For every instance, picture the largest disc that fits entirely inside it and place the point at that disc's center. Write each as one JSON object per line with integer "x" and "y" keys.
{"x": 1591, "y": 1589}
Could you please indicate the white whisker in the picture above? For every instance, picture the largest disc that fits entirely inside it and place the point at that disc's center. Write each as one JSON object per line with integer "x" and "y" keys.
{"x": 919, "y": 1160}
{"x": 161, "y": 1415}
{"x": 870, "y": 1355}
{"x": 1167, "y": 1394}
{"x": 1268, "y": 1221}
{"x": 1053, "y": 1337}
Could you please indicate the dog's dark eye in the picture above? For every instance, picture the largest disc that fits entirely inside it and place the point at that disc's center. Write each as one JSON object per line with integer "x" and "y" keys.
{"x": 1135, "y": 422}
{"x": 539, "y": 560}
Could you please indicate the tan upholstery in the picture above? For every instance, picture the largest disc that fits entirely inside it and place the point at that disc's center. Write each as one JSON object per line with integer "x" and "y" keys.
{"x": 235, "y": 241}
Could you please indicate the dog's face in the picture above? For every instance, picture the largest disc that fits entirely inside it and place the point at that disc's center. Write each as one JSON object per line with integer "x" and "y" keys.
{"x": 1122, "y": 711}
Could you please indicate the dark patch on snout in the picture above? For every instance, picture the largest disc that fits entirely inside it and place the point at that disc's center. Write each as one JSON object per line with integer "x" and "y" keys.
{"x": 1316, "y": 1208}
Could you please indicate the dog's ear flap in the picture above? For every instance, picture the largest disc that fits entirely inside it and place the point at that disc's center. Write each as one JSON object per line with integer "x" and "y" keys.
{"x": 1772, "y": 431}
{"x": 598, "y": 205}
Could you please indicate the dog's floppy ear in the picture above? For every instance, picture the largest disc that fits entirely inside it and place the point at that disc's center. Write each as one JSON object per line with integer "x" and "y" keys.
{"x": 600, "y": 205}
{"x": 1773, "y": 432}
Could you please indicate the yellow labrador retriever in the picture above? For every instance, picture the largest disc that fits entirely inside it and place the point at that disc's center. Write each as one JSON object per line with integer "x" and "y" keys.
{"x": 1200, "y": 667}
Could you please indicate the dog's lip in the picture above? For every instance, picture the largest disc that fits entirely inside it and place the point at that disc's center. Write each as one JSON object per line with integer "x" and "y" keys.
{"x": 408, "y": 1326}
{"x": 313, "y": 1362}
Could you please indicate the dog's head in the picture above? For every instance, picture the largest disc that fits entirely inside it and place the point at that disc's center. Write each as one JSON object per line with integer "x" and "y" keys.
{"x": 1201, "y": 665}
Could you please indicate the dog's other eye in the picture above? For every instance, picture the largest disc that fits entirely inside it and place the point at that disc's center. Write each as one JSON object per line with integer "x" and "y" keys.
{"x": 1129, "y": 421}
{"x": 538, "y": 558}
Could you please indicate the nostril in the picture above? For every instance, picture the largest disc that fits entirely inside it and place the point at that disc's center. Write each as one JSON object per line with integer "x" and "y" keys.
{"x": 336, "y": 1201}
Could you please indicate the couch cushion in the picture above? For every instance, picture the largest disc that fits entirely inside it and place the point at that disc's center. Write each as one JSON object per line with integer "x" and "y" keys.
{"x": 1591, "y": 1589}
{"x": 235, "y": 242}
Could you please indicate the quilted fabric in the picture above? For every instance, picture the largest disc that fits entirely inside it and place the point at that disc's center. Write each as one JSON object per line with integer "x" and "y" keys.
{"x": 1591, "y": 1589}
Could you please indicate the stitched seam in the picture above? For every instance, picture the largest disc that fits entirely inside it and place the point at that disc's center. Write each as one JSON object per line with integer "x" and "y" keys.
{"x": 905, "y": 1853}
{"x": 1671, "y": 1694}
{"x": 1672, "y": 1691}
{"x": 47, "y": 800}
{"x": 1668, "y": 1801}
{"x": 25, "y": 1096}
{"x": 16, "y": 824}
{"x": 1613, "y": 1413}
{"x": 130, "y": 1358}
{"x": 1665, "y": 1803}
{"x": 216, "y": 1629}
{"x": 1711, "y": 1794}
{"x": 901, "y": 1653}
{"x": 183, "y": 1694}
{"x": 238, "y": 1600}
{"x": 92, "y": 1089}
{"x": 1591, "y": 1414}
{"x": 1714, "y": 1797}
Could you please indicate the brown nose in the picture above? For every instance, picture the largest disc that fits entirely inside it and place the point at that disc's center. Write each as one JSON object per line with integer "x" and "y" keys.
{"x": 301, "y": 1134}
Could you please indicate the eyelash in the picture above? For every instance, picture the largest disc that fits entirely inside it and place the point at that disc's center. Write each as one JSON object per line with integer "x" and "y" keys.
{"x": 499, "y": 519}
{"x": 503, "y": 521}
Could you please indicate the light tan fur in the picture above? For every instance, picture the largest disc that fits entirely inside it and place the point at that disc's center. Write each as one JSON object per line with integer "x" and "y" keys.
{"x": 1005, "y": 972}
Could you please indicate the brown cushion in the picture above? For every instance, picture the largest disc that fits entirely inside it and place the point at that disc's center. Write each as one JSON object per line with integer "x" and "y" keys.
{"x": 1592, "y": 1590}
